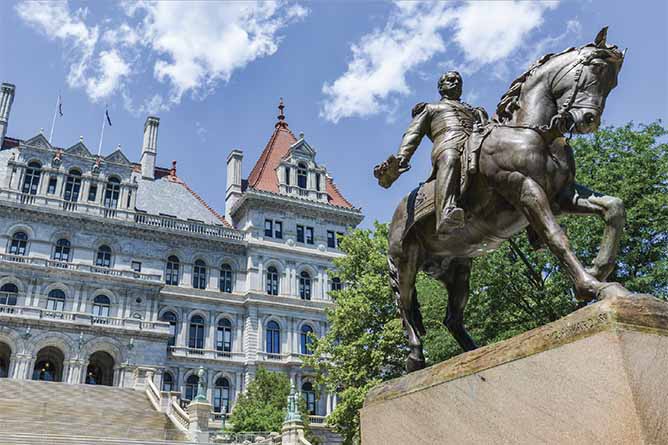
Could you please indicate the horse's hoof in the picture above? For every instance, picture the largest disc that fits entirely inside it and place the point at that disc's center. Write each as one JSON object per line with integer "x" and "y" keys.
{"x": 413, "y": 364}
{"x": 613, "y": 290}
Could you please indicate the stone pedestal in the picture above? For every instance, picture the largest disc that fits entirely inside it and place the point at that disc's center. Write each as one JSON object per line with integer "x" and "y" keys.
{"x": 293, "y": 433}
{"x": 597, "y": 376}
{"x": 198, "y": 413}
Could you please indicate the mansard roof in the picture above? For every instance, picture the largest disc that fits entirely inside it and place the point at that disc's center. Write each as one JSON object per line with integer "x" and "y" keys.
{"x": 263, "y": 175}
{"x": 169, "y": 195}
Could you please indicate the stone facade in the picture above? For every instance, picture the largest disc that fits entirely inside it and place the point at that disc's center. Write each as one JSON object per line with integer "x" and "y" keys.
{"x": 112, "y": 270}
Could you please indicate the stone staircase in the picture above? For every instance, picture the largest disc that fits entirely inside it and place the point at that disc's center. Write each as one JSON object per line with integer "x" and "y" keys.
{"x": 33, "y": 412}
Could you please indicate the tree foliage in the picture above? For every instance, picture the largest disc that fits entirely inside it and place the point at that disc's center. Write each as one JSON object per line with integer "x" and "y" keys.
{"x": 262, "y": 408}
{"x": 514, "y": 289}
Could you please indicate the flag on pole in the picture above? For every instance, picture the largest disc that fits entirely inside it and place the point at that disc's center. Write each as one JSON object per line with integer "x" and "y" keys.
{"x": 106, "y": 113}
{"x": 60, "y": 106}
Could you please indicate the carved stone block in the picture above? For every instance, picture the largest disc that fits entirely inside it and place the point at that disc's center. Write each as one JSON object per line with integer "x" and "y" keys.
{"x": 596, "y": 376}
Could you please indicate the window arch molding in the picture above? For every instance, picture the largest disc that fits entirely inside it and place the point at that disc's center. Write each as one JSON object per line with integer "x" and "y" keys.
{"x": 15, "y": 281}
{"x": 172, "y": 309}
{"x": 54, "y": 339}
{"x": 59, "y": 286}
{"x": 111, "y": 346}
{"x": 280, "y": 274}
{"x": 168, "y": 380}
{"x": 113, "y": 298}
{"x": 21, "y": 228}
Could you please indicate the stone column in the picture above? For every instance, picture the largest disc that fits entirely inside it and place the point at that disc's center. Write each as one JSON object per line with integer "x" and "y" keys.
{"x": 209, "y": 342}
{"x": 183, "y": 330}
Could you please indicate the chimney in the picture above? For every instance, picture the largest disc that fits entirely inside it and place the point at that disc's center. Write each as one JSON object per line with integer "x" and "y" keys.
{"x": 149, "y": 148}
{"x": 233, "y": 191}
{"x": 6, "y": 99}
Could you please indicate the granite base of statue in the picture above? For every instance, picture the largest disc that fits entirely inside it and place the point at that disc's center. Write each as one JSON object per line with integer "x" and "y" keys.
{"x": 596, "y": 376}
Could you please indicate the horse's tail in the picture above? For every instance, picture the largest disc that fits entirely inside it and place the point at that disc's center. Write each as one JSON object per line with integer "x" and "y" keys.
{"x": 413, "y": 314}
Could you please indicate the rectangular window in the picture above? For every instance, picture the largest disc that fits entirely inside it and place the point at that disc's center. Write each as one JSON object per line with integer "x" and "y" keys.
{"x": 339, "y": 235}
{"x": 331, "y": 239}
{"x": 317, "y": 182}
{"x": 92, "y": 192}
{"x": 136, "y": 266}
{"x": 287, "y": 175}
{"x": 129, "y": 199}
{"x": 51, "y": 189}
{"x": 278, "y": 229}
{"x": 309, "y": 235}
{"x": 300, "y": 234}
{"x": 268, "y": 228}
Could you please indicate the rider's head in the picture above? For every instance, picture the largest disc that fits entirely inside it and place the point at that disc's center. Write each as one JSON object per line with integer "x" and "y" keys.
{"x": 450, "y": 85}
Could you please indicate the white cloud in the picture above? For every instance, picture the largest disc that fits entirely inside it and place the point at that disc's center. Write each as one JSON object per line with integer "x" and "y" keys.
{"x": 110, "y": 72}
{"x": 484, "y": 32}
{"x": 201, "y": 43}
{"x": 190, "y": 46}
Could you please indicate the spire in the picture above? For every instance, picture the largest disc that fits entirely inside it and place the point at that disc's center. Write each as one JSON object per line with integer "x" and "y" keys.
{"x": 281, "y": 116}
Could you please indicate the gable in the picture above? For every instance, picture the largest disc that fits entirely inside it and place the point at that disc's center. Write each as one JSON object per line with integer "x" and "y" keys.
{"x": 301, "y": 149}
{"x": 79, "y": 149}
{"x": 118, "y": 157}
{"x": 39, "y": 141}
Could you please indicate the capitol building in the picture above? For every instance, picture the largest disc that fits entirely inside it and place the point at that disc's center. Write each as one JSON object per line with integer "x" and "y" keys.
{"x": 116, "y": 273}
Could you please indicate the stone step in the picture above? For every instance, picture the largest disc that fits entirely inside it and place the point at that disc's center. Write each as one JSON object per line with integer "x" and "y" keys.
{"x": 54, "y": 439}
{"x": 60, "y": 409}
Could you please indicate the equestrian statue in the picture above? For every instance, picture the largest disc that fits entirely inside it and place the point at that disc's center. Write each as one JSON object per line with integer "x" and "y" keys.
{"x": 493, "y": 179}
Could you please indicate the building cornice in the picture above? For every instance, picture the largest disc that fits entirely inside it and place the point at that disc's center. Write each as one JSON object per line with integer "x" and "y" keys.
{"x": 351, "y": 217}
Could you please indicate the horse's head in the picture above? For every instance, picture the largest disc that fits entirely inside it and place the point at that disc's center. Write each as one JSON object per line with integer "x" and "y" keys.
{"x": 581, "y": 86}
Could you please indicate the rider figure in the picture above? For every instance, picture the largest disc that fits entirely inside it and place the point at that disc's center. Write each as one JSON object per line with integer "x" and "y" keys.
{"x": 448, "y": 124}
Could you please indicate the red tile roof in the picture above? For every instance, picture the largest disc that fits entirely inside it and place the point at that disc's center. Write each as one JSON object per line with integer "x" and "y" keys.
{"x": 263, "y": 175}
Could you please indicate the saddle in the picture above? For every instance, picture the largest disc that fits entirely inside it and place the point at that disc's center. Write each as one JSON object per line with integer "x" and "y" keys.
{"x": 421, "y": 202}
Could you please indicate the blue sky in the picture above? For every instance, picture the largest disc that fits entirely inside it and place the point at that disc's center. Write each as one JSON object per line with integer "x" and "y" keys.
{"x": 349, "y": 73}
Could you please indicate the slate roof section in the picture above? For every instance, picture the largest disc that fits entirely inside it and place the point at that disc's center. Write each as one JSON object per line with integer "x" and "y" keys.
{"x": 263, "y": 175}
{"x": 169, "y": 195}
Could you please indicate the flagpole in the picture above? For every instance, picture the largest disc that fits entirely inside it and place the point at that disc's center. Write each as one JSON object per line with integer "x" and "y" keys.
{"x": 53, "y": 122}
{"x": 104, "y": 121}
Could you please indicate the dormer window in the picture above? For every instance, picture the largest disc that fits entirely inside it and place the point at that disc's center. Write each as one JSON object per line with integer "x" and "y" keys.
{"x": 287, "y": 175}
{"x": 317, "y": 181}
{"x": 301, "y": 175}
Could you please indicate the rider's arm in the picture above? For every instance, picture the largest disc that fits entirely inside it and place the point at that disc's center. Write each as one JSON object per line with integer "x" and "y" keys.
{"x": 415, "y": 132}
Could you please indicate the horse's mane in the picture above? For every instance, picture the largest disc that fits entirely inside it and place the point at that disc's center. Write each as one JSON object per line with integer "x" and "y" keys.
{"x": 510, "y": 101}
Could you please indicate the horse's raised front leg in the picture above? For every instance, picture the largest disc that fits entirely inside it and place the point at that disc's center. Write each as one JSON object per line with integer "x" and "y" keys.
{"x": 403, "y": 271}
{"x": 533, "y": 202}
{"x": 611, "y": 210}
{"x": 456, "y": 280}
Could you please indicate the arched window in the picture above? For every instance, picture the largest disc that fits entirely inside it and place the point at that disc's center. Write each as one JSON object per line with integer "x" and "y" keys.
{"x": 112, "y": 192}
{"x": 101, "y": 305}
{"x": 305, "y": 285}
{"x": 62, "y": 250}
{"x": 336, "y": 283}
{"x": 306, "y": 340}
{"x": 19, "y": 244}
{"x": 72, "y": 186}
{"x": 226, "y": 278}
{"x": 31, "y": 180}
{"x": 103, "y": 258}
{"x": 196, "y": 338}
{"x": 8, "y": 294}
{"x": 273, "y": 344}
{"x": 170, "y": 317}
{"x": 309, "y": 397}
{"x": 55, "y": 301}
{"x": 221, "y": 395}
{"x": 199, "y": 275}
{"x": 167, "y": 381}
{"x": 272, "y": 281}
{"x": 100, "y": 370}
{"x": 224, "y": 336}
{"x": 301, "y": 175}
{"x": 172, "y": 275}
{"x": 191, "y": 387}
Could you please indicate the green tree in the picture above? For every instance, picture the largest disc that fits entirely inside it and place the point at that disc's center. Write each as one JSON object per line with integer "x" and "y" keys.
{"x": 513, "y": 289}
{"x": 262, "y": 408}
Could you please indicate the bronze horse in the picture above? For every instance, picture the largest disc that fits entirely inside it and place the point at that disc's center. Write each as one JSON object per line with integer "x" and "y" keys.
{"x": 526, "y": 175}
